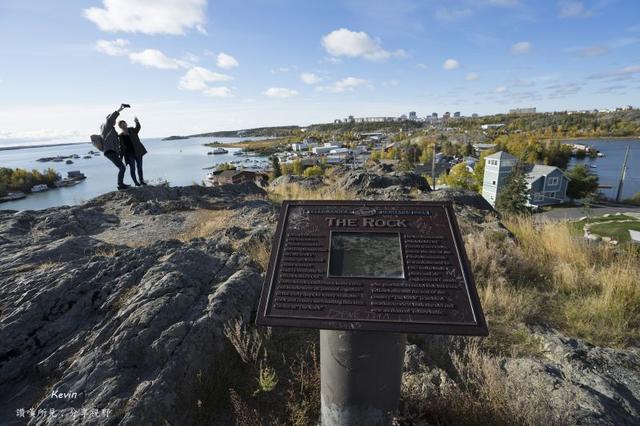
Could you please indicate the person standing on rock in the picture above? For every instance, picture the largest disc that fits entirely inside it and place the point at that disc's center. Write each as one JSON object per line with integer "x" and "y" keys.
{"x": 133, "y": 149}
{"x": 108, "y": 142}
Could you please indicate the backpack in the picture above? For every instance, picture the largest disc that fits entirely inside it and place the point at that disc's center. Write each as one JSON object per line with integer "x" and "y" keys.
{"x": 97, "y": 141}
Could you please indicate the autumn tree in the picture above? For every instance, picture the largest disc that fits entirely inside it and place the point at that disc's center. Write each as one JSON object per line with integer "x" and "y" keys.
{"x": 460, "y": 177}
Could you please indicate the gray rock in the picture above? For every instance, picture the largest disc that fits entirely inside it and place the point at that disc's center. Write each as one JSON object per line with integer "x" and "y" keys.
{"x": 128, "y": 329}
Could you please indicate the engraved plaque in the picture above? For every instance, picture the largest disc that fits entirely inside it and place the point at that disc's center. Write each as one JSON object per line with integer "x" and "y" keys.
{"x": 370, "y": 265}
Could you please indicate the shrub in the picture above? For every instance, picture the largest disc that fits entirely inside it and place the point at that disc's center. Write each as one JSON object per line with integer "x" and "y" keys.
{"x": 313, "y": 171}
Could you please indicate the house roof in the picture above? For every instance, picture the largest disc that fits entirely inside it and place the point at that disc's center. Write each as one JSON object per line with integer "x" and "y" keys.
{"x": 537, "y": 171}
{"x": 501, "y": 155}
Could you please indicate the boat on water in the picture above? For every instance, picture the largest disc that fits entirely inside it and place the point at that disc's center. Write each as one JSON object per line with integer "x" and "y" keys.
{"x": 218, "y": 151}
{"x": 12, "y": 196}
{"x": 39, "y": 188}
{"x": 66, "y": 182}
{"x": 593, "y": 166}
{"x": 68, "y": 162}
{"x": 600, "y": 154}
{"x": 237, "y": 153}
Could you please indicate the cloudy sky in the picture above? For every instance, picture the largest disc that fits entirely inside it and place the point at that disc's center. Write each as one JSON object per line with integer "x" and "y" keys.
{"x": 189, "y": 66}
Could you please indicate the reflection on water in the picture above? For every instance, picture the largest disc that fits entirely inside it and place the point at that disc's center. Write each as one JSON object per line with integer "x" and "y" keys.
{"x": 365, "y": 254}
{"x": 179, "y": 162}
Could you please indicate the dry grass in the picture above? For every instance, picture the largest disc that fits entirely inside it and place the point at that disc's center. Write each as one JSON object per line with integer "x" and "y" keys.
{"x": 259, "y": 251}
{"x": 207, "y": 222}
{"x": 482, "y": 393}
{"x": 550, "y": 276}
{"x": 295, "y": 191}
{"x": 247, "y": 341}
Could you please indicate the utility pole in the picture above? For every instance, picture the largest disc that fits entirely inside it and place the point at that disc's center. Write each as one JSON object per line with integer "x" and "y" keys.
{"x": 433, "y": 167}
{"x": 623, "y": 172}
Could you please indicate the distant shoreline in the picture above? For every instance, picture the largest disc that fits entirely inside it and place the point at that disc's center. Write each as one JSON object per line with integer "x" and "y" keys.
{"x": 9, "y": 148}
{"x": 578, "y": 138}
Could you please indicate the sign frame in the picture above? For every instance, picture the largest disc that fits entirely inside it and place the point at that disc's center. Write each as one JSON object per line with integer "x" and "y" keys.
{"x": 478, "y": 327}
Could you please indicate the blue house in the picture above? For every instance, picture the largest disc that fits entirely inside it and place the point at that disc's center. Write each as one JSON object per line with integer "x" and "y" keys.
{"x": 547, "y": 184}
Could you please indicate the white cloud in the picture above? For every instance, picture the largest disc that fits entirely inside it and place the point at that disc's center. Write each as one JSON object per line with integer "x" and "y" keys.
{"x": 521, "y": 47}
{"x": 197, "y": 78}
{"x": 346, "y": 84}
{"x": 115, "y": 47}
{"x": 220, "y": 92}
{"x": 310, "y": 78}
{"x": 149, "y": 17}
{"x": 226, "y": 61}
{"x": 155, "y": 59}
{"x": 344, "y": 42}
{"x": 472, "y": 76}
{"x": 573, "y": 9}
{"x": 450, "y": 64}
{"x": 280, "y": 92}
{"x": 589, "y": 51}
{"x": 620, "y": 73}
{"x": 500, "y": 89}
{"x": 280, "y": 70}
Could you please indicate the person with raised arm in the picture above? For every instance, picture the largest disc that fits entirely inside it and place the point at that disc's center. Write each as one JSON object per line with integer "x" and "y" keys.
{"x": 109, "y": 143}
{"x": 133, "y": 149}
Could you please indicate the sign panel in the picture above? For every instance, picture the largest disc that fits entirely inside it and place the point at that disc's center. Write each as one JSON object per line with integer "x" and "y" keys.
{"x": 370, "y": 265}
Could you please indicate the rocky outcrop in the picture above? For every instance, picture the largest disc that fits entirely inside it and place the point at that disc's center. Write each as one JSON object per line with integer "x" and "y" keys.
{"x": 117, "y": 305}
{"x": 574, "y": 382}
{"x": 113, "y": 327}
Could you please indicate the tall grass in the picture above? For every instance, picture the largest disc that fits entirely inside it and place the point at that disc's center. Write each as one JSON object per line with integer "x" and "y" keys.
{"x": 294, "y": 191}
{"x": 551, "y": 276}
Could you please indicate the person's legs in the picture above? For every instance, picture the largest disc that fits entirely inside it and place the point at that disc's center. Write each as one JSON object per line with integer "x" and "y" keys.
{"x": 140, "y": 175}
{"x": 115, "y": 159}
{"x": 131, "y": 162}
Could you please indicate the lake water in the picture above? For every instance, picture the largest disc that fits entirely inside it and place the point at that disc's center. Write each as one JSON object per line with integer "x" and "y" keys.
{"x": 608, "y": 167}
{"x": 180, "y": 162}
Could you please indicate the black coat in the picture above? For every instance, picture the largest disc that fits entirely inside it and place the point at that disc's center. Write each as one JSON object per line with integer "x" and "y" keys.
{"x": 138, "y": 149}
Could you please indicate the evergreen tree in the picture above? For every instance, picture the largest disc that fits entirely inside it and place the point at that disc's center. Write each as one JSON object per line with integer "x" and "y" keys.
{"x": 275, "y": 165}
{"x": 581, "y": 183}
{"x": 513, "y": 197}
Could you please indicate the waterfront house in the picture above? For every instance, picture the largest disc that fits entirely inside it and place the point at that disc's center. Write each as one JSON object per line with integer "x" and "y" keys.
{"x": 224, "y": 177}
{"x": 547, "y": 185}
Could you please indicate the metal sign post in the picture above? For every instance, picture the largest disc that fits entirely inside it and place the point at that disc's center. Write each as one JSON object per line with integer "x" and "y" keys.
{"x": 360, "y": 373}
{"x": 366, "y": 273}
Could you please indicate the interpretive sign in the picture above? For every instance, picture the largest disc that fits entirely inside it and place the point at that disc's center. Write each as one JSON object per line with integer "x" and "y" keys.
{"x": 370, "y": 265}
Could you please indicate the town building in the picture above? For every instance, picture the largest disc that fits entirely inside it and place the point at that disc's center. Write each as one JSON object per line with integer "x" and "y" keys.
{"x": 413, "y": 116}
{"x": 324, "y": 149}
{"x": 446, "y": 115}
{"x": 491, "y": 126}
{"x": 522, "y": 110}
{"x": 224, "y": 177}
{"x": 456, "y": 114}
{"x": 546, "y": 184}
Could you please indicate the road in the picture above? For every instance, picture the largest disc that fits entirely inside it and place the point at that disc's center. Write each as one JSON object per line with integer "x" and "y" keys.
{"x": 578, "y": 212}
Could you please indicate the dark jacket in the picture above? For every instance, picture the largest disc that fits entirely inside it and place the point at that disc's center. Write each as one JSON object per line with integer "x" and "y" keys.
{"x": 138, "y": 149}
{"x": 109, "y": 135}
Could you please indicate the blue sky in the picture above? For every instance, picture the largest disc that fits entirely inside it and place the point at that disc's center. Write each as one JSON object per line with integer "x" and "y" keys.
{"x": 189, "y": 66}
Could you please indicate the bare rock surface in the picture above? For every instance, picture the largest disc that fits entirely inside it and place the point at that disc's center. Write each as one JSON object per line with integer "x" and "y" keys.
{"x": 110, "y": 302}
{"x": 126, "y": 329}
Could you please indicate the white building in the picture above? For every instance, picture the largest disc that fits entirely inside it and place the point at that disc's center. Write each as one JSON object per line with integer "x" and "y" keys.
{"x": 546, "y": 185}
{"x": 497, "y": 168}
{"x": 324, "y": 149}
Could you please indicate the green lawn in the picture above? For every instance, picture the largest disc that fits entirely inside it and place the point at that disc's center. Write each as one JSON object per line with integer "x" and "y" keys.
{"x": 577, "y": 227}
{"x": 617, "y": 230}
